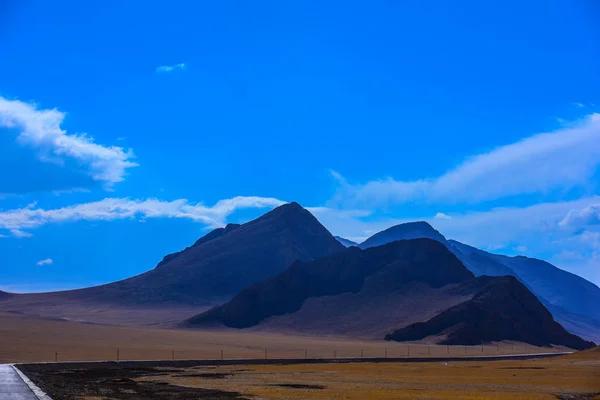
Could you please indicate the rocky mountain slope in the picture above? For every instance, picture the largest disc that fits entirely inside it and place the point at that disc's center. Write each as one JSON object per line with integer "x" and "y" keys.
{"x": 211, "y": 271}
{"x": 570, "y": 298}
{"x": 373, "y": 292}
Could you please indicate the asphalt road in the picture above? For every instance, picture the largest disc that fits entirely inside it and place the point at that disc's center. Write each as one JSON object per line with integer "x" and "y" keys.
{"x": 12, "y": 386}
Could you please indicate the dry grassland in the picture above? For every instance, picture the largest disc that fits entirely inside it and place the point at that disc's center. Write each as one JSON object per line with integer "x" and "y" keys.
{"x": 575, "y": 377}
{"x": 30, "y": 339}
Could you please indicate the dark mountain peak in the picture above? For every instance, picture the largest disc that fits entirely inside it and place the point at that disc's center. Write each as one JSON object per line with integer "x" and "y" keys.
{"x": 408, "y": 230}
{"x": 502, "y": 309}
{"x": 288, "y": 210}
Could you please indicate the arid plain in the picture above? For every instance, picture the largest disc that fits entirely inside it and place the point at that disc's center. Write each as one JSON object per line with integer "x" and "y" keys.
{"x": 571, "y": 377}
{"x": 32, "y": 339}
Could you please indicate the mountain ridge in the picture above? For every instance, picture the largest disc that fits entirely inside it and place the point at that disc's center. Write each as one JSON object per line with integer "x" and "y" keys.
{"x": 569, "y": 297}
{"x": 217, "y": 266}
{"x": 386, "y": 288}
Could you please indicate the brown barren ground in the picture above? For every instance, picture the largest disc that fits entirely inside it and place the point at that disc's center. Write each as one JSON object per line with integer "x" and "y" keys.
{"x": 574, "y": 377}
{"x": 30, "y": 339}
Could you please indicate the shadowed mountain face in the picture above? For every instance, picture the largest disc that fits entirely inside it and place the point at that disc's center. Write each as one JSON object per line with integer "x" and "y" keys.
{"x": 571, "y": 299}
{"x": 392, "y": 267}
{"x": 503, "y": 309}
{"x": 217, "y": 266}
{"x": 345, "y": 242}
{"x": 376, "y": 291}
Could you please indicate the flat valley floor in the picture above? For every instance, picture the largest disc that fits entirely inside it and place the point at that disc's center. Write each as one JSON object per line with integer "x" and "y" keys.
{"x": 572, "y": 377}
{"x": 31, "y": 339}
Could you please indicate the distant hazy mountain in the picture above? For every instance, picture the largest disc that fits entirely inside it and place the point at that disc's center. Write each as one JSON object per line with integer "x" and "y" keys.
{"x": 213, "y": 269}
{"x": 345, "y": 242}
{"x": 571, "y": 299}
{"x": 409, "y": 230}
{"x": 383, "y": 289}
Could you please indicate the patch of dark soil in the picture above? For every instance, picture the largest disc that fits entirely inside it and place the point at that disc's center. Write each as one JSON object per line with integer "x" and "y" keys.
{"x": 206, "y": 375}
{"x": 118, "y": 383}
{"x": 576, "y": 396}
{"x": 299, "y": 386}
{"x": 522, "y": 368}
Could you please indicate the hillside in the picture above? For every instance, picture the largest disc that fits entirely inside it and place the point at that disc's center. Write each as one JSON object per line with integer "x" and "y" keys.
{"x": 368, "y": 293}
{"x": 212, "y": 270}
{"x": 502, "y": 310}
{"x": 570, "y": 298}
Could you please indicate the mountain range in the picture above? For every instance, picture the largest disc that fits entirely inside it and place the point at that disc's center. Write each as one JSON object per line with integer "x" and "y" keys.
{"x": 404, "y": 290}
{"x": 284, "y": 271}
{"x": 571, "y": 299}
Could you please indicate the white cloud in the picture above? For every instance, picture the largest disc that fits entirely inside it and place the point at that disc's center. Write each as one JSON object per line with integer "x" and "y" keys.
{"x": 577, "y": 218}
{"x": 47, "y": 261}
{"x": 20, "y": 234}
{"x": 563, "y": 159}
{"x": 41, "y": 128}
{"x": 30, "y": 217}
{"x": 170, "y": 68}
{"x": 442, "y": 216}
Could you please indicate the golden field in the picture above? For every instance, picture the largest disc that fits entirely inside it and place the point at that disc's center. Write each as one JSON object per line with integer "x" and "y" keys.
{"x": 573, "y": 377}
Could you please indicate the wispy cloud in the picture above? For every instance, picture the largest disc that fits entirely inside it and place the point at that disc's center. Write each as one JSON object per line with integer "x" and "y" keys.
{"x": 578, "y": 218}
{"x": 20, "y": 234}
{"x": 31, "y": 217}
{"x": 170, "y": 68}
{"x": 41, "y": 128}
{"x": 47, "y": 261}
{"x": 441, "y": 215}
{"x": 527, "y": 166}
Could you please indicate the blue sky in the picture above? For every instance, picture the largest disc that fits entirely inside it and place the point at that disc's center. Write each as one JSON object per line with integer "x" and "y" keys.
{"x": 129, "y": 129}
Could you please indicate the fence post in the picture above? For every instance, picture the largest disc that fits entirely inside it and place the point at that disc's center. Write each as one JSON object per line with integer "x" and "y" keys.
{"x": 305, "y": 353}
{"x": 408, "y": 351}
{"x": 334, "y": 354}
{"x": 429, "y": 350}
{"x": 221, "y": 354}
{"x": 265, "y": 353}
{"x": 361, "y": 353}
{"x": 482, "y": 348}
{"x": 118, "y": 355}
{"x": 55, "y": 357}
{"x": 173, "y": 355}
{"x": 497, "y": 347}
{"x": 448, "y": 349}
{"x": 386, "y": 352}
{"x": 465, "y": 349}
